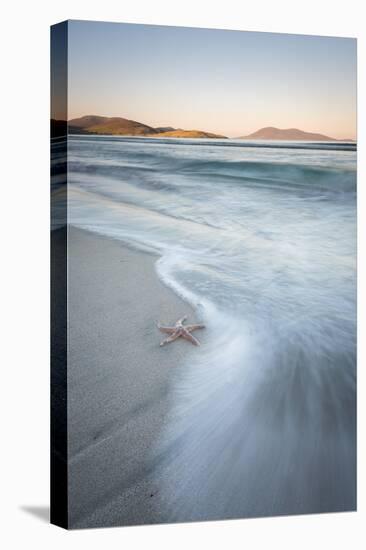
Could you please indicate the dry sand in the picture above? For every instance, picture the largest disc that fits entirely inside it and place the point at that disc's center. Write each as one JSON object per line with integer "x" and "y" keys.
{"x": 118, "y": 380}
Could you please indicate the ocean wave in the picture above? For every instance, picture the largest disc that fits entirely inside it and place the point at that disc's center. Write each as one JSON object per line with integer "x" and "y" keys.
{"x": 177, "y": 174}
{"x": 233, "y": 143}
{"x": 263, "y": 417}
{"x": 276, "y": 174}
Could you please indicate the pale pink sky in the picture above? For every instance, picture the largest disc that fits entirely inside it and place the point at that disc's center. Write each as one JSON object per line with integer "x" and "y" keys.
{"x": 227, "y": 82}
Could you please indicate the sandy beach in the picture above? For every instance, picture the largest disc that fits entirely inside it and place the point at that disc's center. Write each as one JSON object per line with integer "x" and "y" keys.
{"x": 118, "y": 380}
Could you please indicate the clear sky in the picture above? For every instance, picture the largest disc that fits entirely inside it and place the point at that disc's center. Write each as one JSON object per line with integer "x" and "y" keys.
{"x": 227, "y": 82}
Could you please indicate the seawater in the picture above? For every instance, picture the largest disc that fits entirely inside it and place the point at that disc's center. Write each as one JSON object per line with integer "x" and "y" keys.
{"x": 260, "y": 237}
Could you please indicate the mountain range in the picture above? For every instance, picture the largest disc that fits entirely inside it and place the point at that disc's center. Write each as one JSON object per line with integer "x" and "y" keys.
{"x": 118, "y": 126}
{"x": 287, "y": 134}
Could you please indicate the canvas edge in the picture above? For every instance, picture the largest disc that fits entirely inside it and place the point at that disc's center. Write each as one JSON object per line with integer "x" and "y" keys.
{"x": 58, "y": 240}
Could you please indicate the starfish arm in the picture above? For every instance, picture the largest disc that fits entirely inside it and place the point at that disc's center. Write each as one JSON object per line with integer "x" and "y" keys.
{"x": 170, "y": 338}
{"x": 188, "y": 336}
{"x": 168, "y": 330}
{"x": 190, "y": 328}
{"x": 180, "y": 321}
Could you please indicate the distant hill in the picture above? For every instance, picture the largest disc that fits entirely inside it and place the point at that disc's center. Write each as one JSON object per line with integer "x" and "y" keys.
{"x": 165, "y": 129}
{"x": 117, "y": 126}
{"x": 289, "y": 134}
{"x": 109, "y": 125}
{"x": 188, "y": 134}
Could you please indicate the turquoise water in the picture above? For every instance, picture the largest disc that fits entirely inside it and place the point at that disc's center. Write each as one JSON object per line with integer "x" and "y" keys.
{"x": 261, "y": 239}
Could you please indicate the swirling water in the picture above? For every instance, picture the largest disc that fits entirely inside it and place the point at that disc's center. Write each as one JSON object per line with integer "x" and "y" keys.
{"x": 261, "y": 239}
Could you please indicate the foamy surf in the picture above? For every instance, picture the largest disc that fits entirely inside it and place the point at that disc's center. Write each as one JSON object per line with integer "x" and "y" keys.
{"x": 261, "y": 241}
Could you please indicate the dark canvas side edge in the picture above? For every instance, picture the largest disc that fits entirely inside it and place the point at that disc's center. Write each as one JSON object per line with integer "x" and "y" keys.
{"x": 59, "y": 465}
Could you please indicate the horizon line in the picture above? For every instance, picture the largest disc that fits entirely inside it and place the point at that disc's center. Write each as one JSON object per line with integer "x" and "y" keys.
{"x": 201, "y": 130}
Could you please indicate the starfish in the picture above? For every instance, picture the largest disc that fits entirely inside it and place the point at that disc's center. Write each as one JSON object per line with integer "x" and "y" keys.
{"x": 180, "y": 330}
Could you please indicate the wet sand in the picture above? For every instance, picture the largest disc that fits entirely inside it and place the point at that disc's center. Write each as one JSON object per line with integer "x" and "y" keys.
{"x": 118, "y": 380}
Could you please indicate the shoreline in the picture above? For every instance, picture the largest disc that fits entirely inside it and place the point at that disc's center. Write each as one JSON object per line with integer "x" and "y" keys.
{"x": 119, "y": 380}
